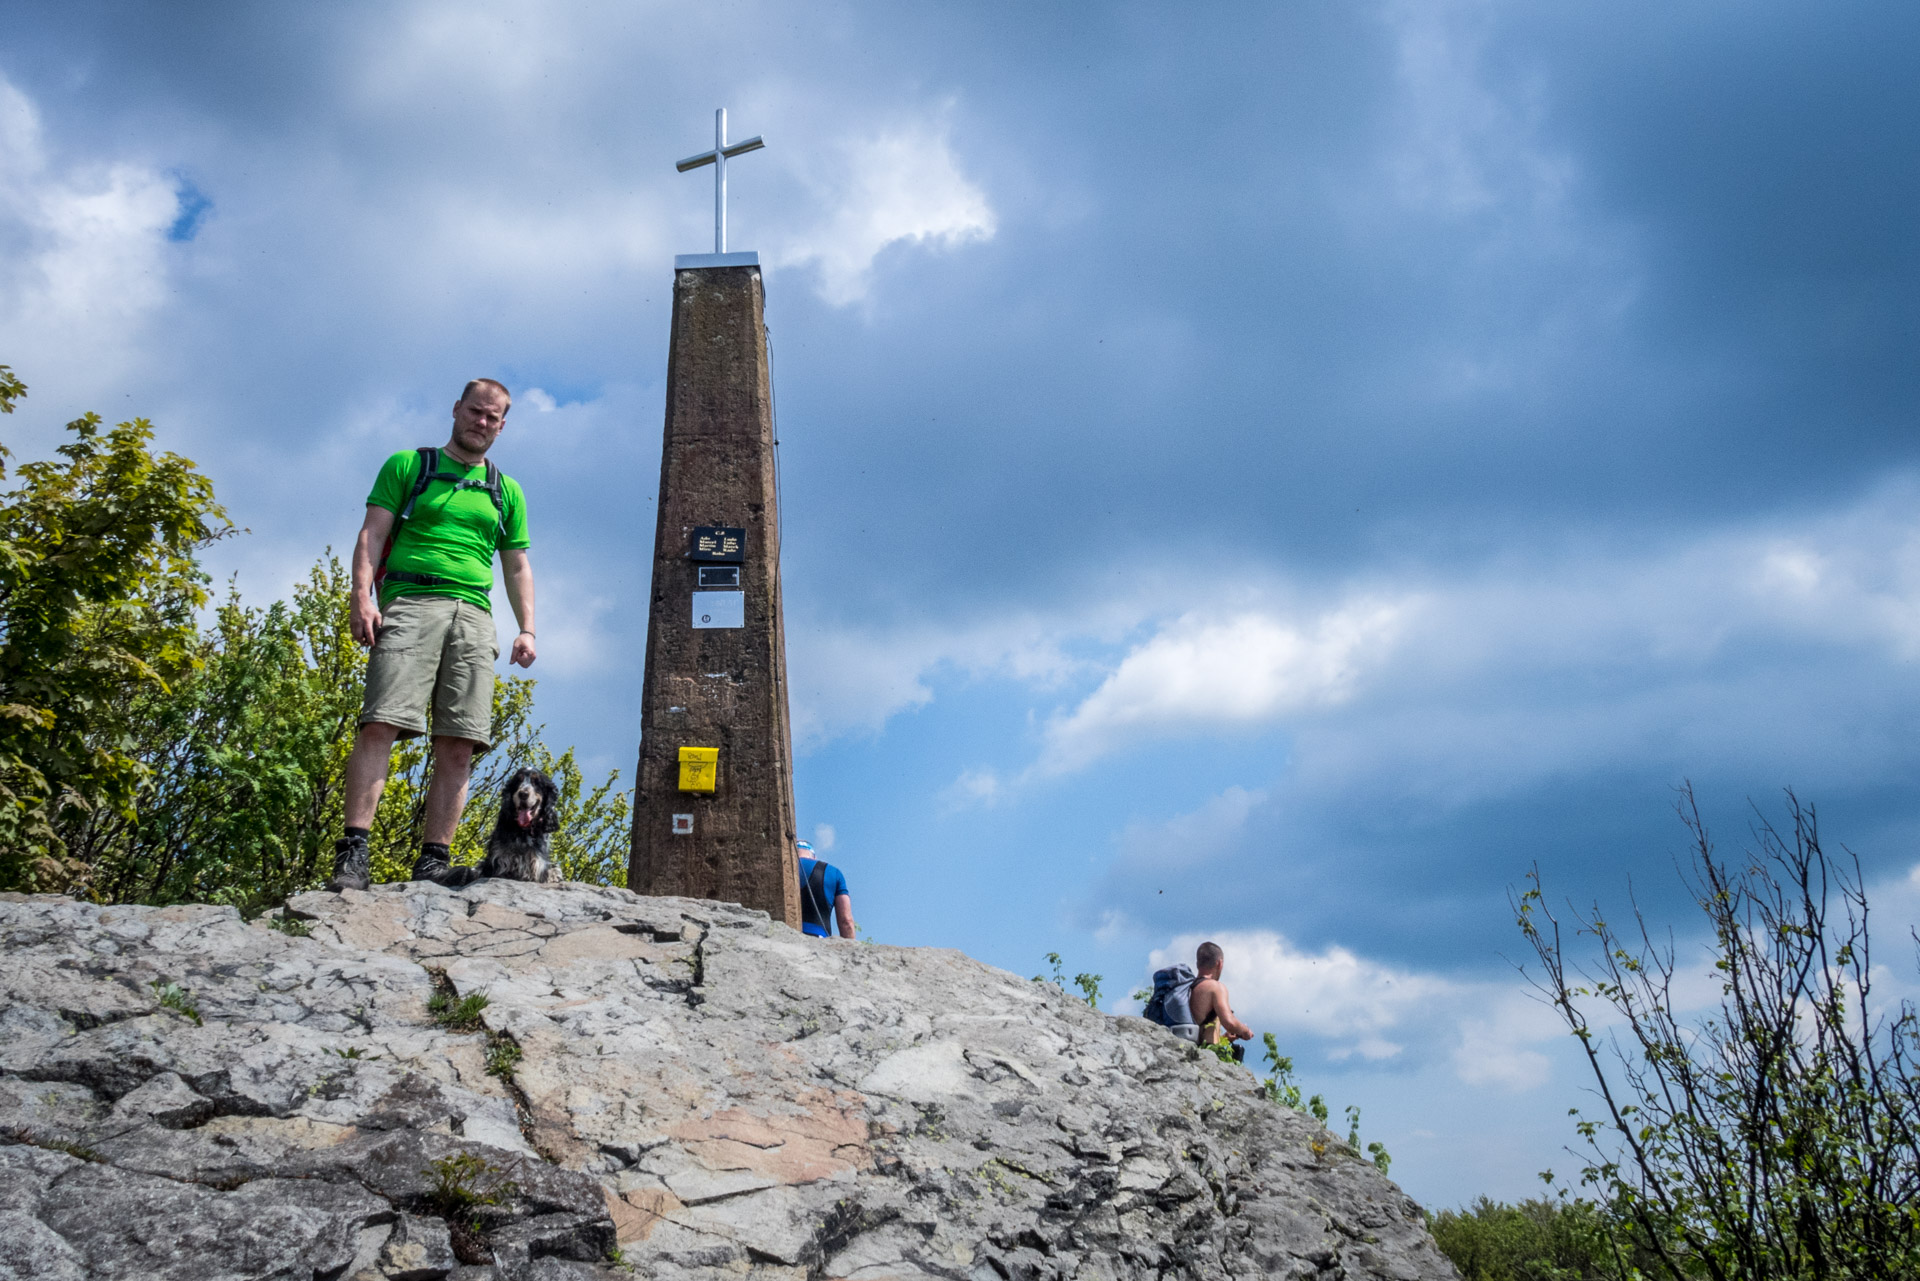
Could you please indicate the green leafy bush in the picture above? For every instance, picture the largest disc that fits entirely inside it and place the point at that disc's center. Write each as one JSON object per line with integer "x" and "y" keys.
{"x": 243, "y": 760}
{"x": 1536, "y": 1240}
{"x": 98, "y": 588}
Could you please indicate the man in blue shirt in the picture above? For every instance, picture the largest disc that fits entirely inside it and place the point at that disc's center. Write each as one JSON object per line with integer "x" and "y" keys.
{"x": 823, "y": 896}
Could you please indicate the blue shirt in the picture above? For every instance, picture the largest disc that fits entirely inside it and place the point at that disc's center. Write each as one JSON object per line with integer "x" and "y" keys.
{"x": 832, "y": 887}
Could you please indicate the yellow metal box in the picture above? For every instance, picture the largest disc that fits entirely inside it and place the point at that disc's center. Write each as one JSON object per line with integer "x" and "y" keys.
{"x": 699, "y": 766}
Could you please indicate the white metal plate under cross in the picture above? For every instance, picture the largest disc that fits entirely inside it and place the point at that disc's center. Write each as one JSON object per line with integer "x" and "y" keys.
{"x": 719, "y": 609}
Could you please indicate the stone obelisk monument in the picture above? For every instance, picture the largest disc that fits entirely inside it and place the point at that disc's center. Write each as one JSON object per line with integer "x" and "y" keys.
{"x": 713, "y": 793}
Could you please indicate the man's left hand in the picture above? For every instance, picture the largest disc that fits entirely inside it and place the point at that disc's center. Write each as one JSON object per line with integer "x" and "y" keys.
{"x": 522, "y": 654}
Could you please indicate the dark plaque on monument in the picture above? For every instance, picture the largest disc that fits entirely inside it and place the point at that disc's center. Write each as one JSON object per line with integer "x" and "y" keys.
{"x": 718, "y": 543}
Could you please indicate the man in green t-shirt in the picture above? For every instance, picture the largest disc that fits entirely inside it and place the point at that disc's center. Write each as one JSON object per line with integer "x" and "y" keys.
{"x": 430, "y": 552}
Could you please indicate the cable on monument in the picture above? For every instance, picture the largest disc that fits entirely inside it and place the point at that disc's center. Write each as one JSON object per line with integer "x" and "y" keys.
{"x": 773, "y": 407}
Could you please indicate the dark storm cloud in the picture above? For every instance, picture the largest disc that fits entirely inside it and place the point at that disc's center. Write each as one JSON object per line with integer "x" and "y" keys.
{"x": 1352, "y": 283}
{"x": 1402, "y": 288}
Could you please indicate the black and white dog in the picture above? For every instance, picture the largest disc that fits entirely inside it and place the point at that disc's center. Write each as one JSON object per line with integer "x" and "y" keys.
{"x": 517, "y": 849}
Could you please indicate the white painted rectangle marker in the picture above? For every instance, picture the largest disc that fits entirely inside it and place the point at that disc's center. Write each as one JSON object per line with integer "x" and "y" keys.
{"x": 719, "y": 609}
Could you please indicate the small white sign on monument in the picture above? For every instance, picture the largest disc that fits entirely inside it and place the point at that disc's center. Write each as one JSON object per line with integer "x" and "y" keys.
{"x": 719, "y": 609}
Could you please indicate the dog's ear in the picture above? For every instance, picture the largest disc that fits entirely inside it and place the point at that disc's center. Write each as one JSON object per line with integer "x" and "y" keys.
{"x": 549, "y": 803}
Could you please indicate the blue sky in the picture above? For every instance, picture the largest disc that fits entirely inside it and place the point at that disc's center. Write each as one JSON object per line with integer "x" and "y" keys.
{"x": 1269, "y": 472}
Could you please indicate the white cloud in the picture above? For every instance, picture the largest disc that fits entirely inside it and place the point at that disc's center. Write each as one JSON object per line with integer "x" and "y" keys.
{"x": 981, "y": 787}
{"x": 571, "y": 608}
{"x": 1495, "y": 1046}
{"x": 847, "y": 680}
{"x": 1464, "y": 148}
{"x": 904, "y": 185}
{"x": 1453, "y": 688}
{"x": 84, "y": 262}
{"x": 1114, "y": 924}
{"x": 1362, "y": 1008}
{"x": 823, "y": 837}
{"x": 1249, "y": 668}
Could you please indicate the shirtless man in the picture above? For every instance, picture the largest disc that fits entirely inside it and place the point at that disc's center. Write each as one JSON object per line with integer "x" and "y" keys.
{"x": 1211, "y": 1009}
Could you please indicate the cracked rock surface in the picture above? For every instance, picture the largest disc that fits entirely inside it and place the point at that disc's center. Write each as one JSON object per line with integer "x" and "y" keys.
{"x": 654, "y": 1086}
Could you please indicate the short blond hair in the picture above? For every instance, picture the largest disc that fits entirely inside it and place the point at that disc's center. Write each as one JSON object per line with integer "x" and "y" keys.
{"x": 494, "y": 383}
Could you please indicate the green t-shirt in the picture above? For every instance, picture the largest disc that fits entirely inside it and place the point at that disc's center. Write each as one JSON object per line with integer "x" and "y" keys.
{"x": 452, "y": 533}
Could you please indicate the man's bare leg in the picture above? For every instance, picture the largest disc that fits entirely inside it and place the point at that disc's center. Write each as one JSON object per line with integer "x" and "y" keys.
{"x": 447, "y": 793}
{"x": 366, "y": 779}
{"x": 446, "y": 798}
{"x": 367, "y": 771}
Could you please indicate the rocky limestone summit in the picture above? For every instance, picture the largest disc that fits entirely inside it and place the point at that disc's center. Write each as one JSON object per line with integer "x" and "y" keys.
{"x": 652, "y": 1086}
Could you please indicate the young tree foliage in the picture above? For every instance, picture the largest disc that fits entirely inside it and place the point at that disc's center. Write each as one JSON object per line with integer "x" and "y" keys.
{"x": 98, "y": 588}
{"x": 1776, "y": 1133}
{"x": 1536, "y": 1240}
{"x": 243, "y": 759}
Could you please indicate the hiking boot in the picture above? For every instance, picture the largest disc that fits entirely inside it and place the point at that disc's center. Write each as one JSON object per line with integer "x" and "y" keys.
{"x": 432, "y": 866}
{"x": 349, "y": 865}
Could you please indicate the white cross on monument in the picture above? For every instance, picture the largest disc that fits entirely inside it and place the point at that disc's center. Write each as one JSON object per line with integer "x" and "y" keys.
{"x": 718, "y": 158}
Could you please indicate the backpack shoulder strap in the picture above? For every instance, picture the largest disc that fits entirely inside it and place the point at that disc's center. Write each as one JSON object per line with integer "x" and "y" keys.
{"x": 496, "y": 490}
{"x": 429, "y": 464}
{"x": 815, "y": 906}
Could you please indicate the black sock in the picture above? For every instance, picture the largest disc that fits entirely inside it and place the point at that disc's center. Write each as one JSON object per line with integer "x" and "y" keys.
{"x": 429, "y": 850}
{"x": 361, "y": 832}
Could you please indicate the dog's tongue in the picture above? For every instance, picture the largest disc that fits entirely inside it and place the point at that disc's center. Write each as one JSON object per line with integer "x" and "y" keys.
{"x": 524, "y": 817}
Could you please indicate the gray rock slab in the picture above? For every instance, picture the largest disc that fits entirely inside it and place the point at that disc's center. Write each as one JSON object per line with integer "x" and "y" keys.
{"x": 417, "y": 1249}
{"x": 697, "y": 1088}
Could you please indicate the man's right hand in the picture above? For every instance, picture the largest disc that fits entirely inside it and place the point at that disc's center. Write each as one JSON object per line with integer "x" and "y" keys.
{"x": 365, "y": 619}
{"x": 364, "y": 611}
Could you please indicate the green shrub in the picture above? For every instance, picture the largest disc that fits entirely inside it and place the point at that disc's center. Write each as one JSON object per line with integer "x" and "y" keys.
{"x": 98, "y": 589}
{"x": 1536, "y": 1240}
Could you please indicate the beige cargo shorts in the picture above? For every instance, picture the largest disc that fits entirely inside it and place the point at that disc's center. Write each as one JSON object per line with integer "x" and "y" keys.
{"x": 433, "y": 651}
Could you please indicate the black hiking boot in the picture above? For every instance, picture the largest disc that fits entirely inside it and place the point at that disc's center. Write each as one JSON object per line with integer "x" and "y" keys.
{"x": 432, "y": 866}
{"x": 349, "y": 865}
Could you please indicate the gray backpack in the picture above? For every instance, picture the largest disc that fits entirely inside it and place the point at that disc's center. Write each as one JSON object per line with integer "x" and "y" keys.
{"x": 1170, "y": 1005}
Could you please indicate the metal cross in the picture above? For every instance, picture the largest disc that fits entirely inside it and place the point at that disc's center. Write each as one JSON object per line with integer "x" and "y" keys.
{"x": 718, "y": 159}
